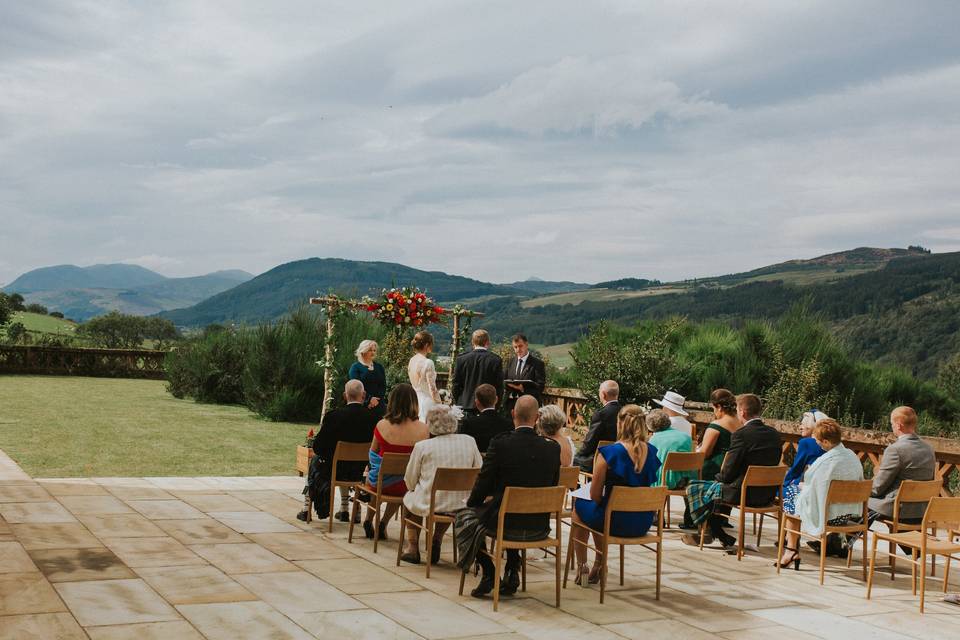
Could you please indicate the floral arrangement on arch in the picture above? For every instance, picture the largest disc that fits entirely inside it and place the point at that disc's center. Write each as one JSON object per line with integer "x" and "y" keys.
{"x": 404, "y": 307}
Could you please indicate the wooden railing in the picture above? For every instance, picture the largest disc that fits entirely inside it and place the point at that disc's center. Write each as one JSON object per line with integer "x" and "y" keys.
{"x": 867, "y": 444}
{"x": 101, "y": 363}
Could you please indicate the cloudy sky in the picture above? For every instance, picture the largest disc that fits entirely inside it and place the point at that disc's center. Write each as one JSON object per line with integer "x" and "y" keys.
{"x": 500, "y": 140}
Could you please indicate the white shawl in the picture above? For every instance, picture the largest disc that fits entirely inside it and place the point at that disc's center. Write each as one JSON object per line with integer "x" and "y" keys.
{"x": 837, "y": 464}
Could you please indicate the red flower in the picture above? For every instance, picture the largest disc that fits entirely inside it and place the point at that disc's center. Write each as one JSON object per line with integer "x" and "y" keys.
{"x": 372, "y": 307}
{"x": 438, "y": 311}
{"x": 418, "y": 322}
{"x": 310, "y": 435}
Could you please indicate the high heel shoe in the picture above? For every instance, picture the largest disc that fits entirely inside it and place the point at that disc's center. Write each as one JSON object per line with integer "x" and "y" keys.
{"x": 583, "y": 575}
{"x": 793, "y": 559}
{"x": 594, "y": 577}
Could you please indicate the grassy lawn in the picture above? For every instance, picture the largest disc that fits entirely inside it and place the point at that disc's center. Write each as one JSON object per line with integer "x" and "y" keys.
{"x": 92, "y": 427}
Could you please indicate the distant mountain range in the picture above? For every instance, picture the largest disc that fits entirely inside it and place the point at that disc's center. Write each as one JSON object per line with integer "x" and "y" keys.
{"x": 81, "y": 293}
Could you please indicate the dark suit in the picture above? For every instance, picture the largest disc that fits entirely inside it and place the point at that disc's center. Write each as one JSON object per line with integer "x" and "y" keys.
{"x": 480, "y": 366}
{"x": 484, "y": 426}
{"x": 519, "y": 458}
{"x": 534, "y": 370}
{"x": 603, "y": 426}
{"x": 352, "y": 423}
{"x": 752, "y": 444}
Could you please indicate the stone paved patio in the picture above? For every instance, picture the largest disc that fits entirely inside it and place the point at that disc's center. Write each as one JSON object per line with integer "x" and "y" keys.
{"x": 193, "y": 558}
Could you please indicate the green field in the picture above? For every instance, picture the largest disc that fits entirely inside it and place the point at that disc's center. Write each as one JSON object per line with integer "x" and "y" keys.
{"x": 44, "y": 324}
{"x": 91, "y": 427}
{"x": 599, "y": 295}
{"x": 557, "y": 354}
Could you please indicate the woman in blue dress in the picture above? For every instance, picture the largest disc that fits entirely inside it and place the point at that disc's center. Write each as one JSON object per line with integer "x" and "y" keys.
{"x": 629, "y": 462}
{"x": 372, "y": 375}
{"x": 807, "y": 453}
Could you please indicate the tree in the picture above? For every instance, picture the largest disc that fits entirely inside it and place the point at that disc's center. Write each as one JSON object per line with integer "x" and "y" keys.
{"x": 162, "y": 331}
{"x": 56, "y": 314}
{"x": 5, "y": 310}
{"x": 17, "y": 333}
{"x": 948, "y": 379}
{"x": 36, "y": 308}
{"x": 16, "y": 302}
{"x": 115, "y": 331}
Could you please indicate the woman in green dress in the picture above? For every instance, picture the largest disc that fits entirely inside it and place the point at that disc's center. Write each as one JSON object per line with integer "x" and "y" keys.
{"x": 716, "y": 437}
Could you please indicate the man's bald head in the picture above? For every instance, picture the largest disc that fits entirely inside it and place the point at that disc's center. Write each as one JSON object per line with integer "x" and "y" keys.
{"x": 525, "y": 411}
{"x": 353, "y": 391}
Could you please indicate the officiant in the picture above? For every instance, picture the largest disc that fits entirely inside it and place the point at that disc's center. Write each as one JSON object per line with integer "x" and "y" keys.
{"x": 525, "y": 374}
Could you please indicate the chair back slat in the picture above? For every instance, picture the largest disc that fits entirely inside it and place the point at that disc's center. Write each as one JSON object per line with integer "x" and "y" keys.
{"x": 678, "y": 461}
{"x": 532, "y": 499}
{"x": 849, "y": 491}
{"x": 918, "y": 490}
{"x": 352, "y": 452}
{"x": 941, "y": 510}
{"x": 763, "y": 476}
{"x": 394, "y": 464}
{"x": 451, "y": 479}
{"x": 569, "y": 477}
{"x": 636, "y": 499}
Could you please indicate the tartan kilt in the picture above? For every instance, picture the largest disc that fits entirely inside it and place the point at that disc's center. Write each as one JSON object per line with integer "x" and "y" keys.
{"x": 702, "y": 498}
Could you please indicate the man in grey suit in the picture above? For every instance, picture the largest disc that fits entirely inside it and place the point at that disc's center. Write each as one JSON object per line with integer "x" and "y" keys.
{"x": 909, "y": 458}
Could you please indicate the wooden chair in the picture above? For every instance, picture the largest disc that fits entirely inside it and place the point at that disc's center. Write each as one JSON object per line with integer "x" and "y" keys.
{"x": 940, "y": 511}
{"x": 677, "y": 461}
{"x": 446, "y": 479}
{"x": 392, "y": 464}
{"x": 345, "y": 452}
{"x": 624, "y": 500}
{"x": 518, "y": 500}
{"x": 910, "y": 491}
{"x": 602, "y": 443}
{"x": 756, "y": 476}
{"x": 840, "y": 492}
{"x": 570, "y": 480}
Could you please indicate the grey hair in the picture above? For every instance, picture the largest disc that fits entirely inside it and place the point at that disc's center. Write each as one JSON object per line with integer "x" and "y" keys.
{"x": 658, "y": 420}
{"x": 610, "y": 389}
{"x": 441, "y": 420}
{"x": 353, "y": 390}
{"x": 552, "y": 419}
{"x": 365, "y": 346}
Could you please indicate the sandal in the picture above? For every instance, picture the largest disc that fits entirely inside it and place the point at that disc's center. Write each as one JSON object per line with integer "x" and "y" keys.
{"x": 594, "y": 577}
{"x": 583, "y": 575}
{"x": 794, "y": 559}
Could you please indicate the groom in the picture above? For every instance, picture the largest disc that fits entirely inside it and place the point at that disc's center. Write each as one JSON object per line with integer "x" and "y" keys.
{"x": 476, "y": 367}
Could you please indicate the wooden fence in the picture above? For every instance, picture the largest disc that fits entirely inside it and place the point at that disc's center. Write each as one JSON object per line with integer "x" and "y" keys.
{"x": 867, "y": 444}
{"x": 100, "y": 363}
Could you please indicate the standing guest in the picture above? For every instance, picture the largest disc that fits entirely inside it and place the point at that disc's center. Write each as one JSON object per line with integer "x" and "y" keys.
{"x": 423, "y": 373}
{"x": 672, "y": 403}
{"x": 524, "y": 366}
{"x": 551, "y": 425}
{"x": 398, "y": 431}
{"x": 836, "y": 463}
{"x": 351, "y": 423}
{"x": 666, "y": 439}
{"x": 717, "y": 435}
{"x": 486, "y": 422}
{"x": 520, "y": 458}
{"x": 447, "y": 449}
{"x": 603, "y": 424}
{"x": 752, "y": 444}
{"x": 808, "y": 450}
{"x": 372, "y": 375}
{"x": 909, "y": 458}
{"x": 476, "y": 367}
{"x": 629, "y": 462}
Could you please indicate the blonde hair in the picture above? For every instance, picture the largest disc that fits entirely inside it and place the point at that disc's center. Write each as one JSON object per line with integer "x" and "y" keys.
{"x": 632, "y": 429}
{"x": 907, "y": 416}
{"x": 827, "y": 430}
{"x": 552, "y": 419}
{"x": 365, "y": 346}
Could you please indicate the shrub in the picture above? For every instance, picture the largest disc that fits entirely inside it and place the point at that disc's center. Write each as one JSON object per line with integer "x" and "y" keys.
{"x": 36, "y": 308}
{"x": 56, "y": 314}
{"x": 209, "y": 368}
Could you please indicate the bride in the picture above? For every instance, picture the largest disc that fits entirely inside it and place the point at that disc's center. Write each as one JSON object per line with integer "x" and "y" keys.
{"x": 423, "y": 375}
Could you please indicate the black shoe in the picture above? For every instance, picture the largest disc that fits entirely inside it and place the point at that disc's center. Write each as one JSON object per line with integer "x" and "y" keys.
{"x": 368, "y": 529}
{"x": 302, "y": 516}
{"x": 412, "y": 557}
{"x": 815, "y": 545}
{"x": 343, "y": 516}
{"x": 688, "y": 526}
{"x": 484, "y": 588}
{"x": 510, "y": 582}
{"x": 727, "y": 524}
{"x": 383, "y": 531}
{"x": 728, "y": 542}
{"x": 435, "y": 553}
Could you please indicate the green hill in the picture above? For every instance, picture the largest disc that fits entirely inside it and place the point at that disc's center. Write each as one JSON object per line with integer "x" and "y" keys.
{"x": 274, "y": 293}
{"x": 98, "y": 276}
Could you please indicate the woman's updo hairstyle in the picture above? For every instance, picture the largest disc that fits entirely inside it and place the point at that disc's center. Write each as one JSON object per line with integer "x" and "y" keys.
{"x": 632, "y": 429}
{"x": 421, "y": 340}
{"x": 725, "y": 401}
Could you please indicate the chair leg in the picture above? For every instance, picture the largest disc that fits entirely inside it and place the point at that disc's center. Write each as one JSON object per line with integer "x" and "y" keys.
{"x": 743, "y": 524}
{"x": 780, "y": 538}
{"x": 923, "y": 579}
{"x": 703, "y": 531}
{"x": 759, "y": 530}
{"x": 569, "y": 560}
{"x": 376, "y": 527}
{"x": 355, "y": 505}
{"x": 523, "y": 570}
{"x": 403, "y": 522}
{"x": 428, "y": 531}
{"x": 333, "y": 496}
{"x": 557, "y": 568}
{"x": 666, "y": 512}
{"x": 823, "y": 555}
{"x": 497, "y": 560}
{"x": 453, "y": 529}
{"x": 873, "y": 562}
{"x": 913, "y": 571}
{"x": 659, "y": 559}
{"x": 603, "y": 567}
{"x": 621, "y": 565}
{"x": 892, "y": 559}
{"x": 946, "y": 574}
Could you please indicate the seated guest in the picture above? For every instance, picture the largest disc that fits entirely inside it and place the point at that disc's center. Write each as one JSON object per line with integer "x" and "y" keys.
{"x": 398, "y": 432}
{"x": 909, "y": 458}
{"x": 487, "y": 421}
{"x": 629, "y": 462}
{"x": 752, "y": 444}
{"x": 672, "y": 403}
{"x": 448, "y": 449}
{"x": 807, "y": 453}
{"x": 519, "y": 458}
{"x": 351, "y": 423}
{"x": 665, "y": 439}
{"x": 551, "y": 425}
{"x": 836, "y": 463}
{"x": 717, "y": 435}
{"x": 603, "y": 425}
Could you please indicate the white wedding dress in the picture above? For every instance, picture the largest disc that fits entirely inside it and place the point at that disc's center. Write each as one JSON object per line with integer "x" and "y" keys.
{"x": 423, "y": 378}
